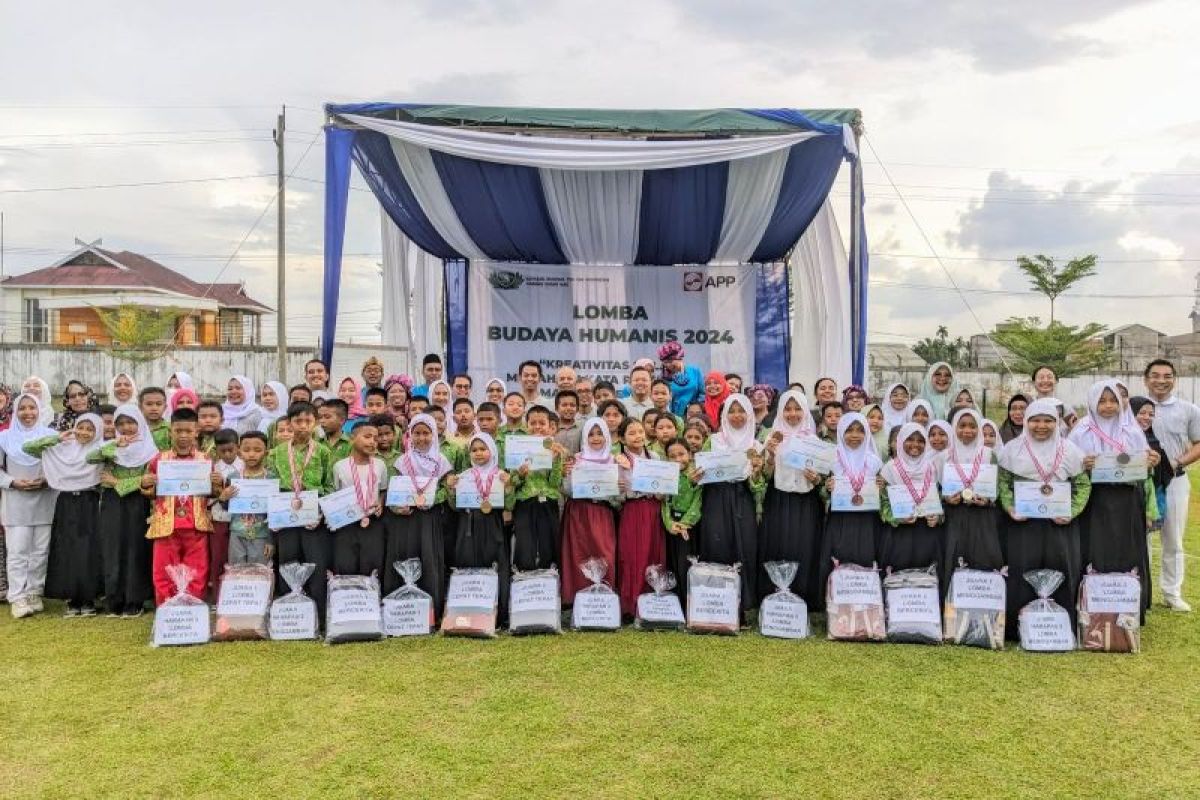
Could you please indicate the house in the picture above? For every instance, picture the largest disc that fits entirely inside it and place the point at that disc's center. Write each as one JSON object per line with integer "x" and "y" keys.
{"x": 58, "y": 304}
{"x": 887, "y": 355}
{"x": 1134, "y": 345}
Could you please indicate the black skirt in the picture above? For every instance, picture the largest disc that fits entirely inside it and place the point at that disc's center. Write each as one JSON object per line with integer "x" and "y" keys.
{"x": 480, "y": 542}
{"x": 729, "y": 533}
{"x": 417, "y": 535}
{"x": 535, "y": 534}
{"x": 915, "y": 546}
{"x": 1112, "y": 532}
{"x": 1040, "y": 544}
{"x": 76, "y": 572}
{"x": 791, "y": 530}
{"x": 851, "y": 537}
{"x": 125, "y": 550}
{"x": 679, "y": 559}
{"x": 972, "y": 533}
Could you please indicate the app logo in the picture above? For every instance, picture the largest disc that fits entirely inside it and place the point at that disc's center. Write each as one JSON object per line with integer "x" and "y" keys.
{"x": 505, "y": 279}
{"x": 693, "y": 281}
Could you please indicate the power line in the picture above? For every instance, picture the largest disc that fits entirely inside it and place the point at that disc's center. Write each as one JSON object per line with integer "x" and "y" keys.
{"x": 1039, "y": 190}
{"x": 112, "y": 145}
{"x": 1065, "y": 170}
{"x": 1011, "y": 259}
{"x": 65, "y": 134}
{"x": 935, "y": 287}
{"x": 82, "y": 187}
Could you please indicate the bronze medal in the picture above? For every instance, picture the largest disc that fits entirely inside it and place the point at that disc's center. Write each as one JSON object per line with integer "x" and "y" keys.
{"x": 1123, "y": 458}
{"x": 364, "y": 522}
{"x": 858, "y": 499}
{"x": 180, "y": 510}
{"x": 298, "y": 504}
{"x": 485, "y": 507}
{"x": 1047, "y": 489}
{"x": 420, "y": 499}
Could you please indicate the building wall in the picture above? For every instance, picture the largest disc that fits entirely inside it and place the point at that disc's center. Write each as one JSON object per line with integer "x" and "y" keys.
{"x": 80, "y": 326}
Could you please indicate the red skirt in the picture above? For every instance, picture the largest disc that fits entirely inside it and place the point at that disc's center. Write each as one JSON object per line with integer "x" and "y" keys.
{"x": 588, "y": 531}
{"x": 640, "y": 543}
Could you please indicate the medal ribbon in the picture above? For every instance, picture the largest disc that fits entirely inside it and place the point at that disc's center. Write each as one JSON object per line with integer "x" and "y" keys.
{"x": 856, "y": 481}
{"x": 411, "y": 469}
{"x": 912, "y": 489}
{"x": 370, "y": 496}
{"x": 968, "y": 483}
{"x": 1104, "y": 437}
{"x": 484, "y": 491}
{"x": 298, "y": 474}
{"x": 1046, "y": 477}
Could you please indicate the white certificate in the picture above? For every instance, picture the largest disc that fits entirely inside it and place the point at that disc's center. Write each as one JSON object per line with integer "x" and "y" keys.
{"x": 809, "y": 452}
{"x": 842, "y": 498}
{"x": 281, "y": 512}
{"x": 654, "y": 477}
{"x": 1032, "y": 501}
{"x": 723, "y": 466}
{"x": 1109, "y": 469}
{"x": 402, "y": 491}
{"x": 184, "y": 478}
{"x": 341, "y": 508}
{"x": 904, "y": 507}
{"x": 983, "y": 486}
{"x": 467, "y": 494}
{"x": 520, "y": 450}
{"x": 252, "y": 494}
{"x": 594, "y": 481}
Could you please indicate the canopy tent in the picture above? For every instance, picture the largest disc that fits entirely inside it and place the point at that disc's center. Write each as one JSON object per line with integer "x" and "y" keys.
{"x": 613, "y": 187}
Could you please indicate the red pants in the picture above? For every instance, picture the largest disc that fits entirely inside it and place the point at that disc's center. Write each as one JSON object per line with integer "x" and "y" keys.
{"x": 182, "y": 547}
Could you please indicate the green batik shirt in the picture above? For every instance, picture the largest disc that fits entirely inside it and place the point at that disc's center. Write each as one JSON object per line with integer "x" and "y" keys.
{"x": 539, "y": 485}
{"x": 685, "y": 506}
{"x": 129, "y": 479}
{"x": 316, "y": 475}
{"x": 340, "y": 447}
{"x": 1081, "y": 490}
{"x": 457, "y": 456}
{"x": 36, "y": 447}
{"x": 161, "y": 433}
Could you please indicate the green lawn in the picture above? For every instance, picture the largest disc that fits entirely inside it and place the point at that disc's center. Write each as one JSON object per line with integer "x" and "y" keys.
{"x": 88, "y": 709}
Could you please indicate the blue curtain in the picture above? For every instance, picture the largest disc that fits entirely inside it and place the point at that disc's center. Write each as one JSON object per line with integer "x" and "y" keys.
{"x": 456, "y": 316}
{"x": 338, "y": 143}
{"x": 790, "y": 116}
{"x": 811, "y": 169}
{"x": 681, "y": 214}
{"x": 772, "y": 332}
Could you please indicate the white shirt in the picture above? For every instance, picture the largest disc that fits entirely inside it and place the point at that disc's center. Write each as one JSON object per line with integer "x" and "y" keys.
{"x": 1177, "y": 425}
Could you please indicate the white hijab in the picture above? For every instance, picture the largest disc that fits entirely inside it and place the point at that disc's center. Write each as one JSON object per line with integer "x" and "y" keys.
{"x": 941, "y": 402}
{"x": 503, "y": 387}
{"x": 891, "y": 417}
{"x": 13, "y": 440}
{"x": 185, "y": 380}
{"x": 281, "y": 393}
{"x": 233, "y": 412}
{"x": 45, "y": 406}
{"x": 142, "y": 449}
{"x": 493, "y": 463}
{"x": 914, "y": 405}
{"x": 740, "y": 439}
{"x": 946, "y": 429}
{"x": 962, "y": 453}
{"x": 65, "y": 464}
{"x": 1016, "y": 458}
{"x": 449, "y": 406}
{"x": 805, "y": 426}
{"x": 918, "y": 468}
{"x": 422, "y": 464}
{"x": 601, "y": 455}
{"x": 1088, "y": 434}
{"x": 861, "y": 459}
{"x": 112, "y": 392}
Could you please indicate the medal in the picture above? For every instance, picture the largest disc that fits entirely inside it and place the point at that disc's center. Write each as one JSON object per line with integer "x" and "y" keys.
{"x": 1123, "y": 458}
{"x": 857, "y": 500}
{"x": 366, "y": 491}
{"x": 407, "y": 466}
{"x": 918, "y": 498}
{"x": 1046, "y": 477}
{"x": 364, "y": 522}
{"x": 1047, "y": 489}
{"x": 856, "y": 481}
{"x": 968, "y": 483}
{"x": 297, "y": 504}
{"x": 485, "y": 491}
{"x": 967, "y": 495}
{"x": 485, "y": 507}
{"x": 421, "y": 499}
{"x": 298, "y": 474}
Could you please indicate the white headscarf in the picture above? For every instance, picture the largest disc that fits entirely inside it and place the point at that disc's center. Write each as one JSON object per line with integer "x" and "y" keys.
{"x": 493, "y": 462}
{"x": 139, "y": 452}
{"x": 806, "y": 421}
{"x": 945, "y": 428}
{"x": 503, "y": 386}
{"x": 964, "y": 453}
{"x": 863, "y": 458}
{"x": 1016, "y": 458}
{"x": 112, "y": 392}
{"x": 918, "y": 468}
{"x": 13, "y": 440}
{"x": 914, "y": 405}
{"x": 185, "y": 380}
{"x": 1123, "y": 428}
{"x": 449, "y": 406}
{"x": 891, "y": 417}
{"x": 940, "y": 401}
{"x": 233, "y": 412}
{"x": 65, "y": 464}
{"x": 281, "y": 393}
{"x": 729, "y": 438}
{"x": 415, "y": 463}
{"x": 46, "y": 409}
{"x": 601, "y": 455}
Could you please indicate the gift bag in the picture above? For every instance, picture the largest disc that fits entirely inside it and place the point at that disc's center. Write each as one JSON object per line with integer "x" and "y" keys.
{"x": 471, "y": 603}
{"x": 784, "y": 614}
{"x": 913, "y": 615}
{"x": 596, "y": 608}
{"x": 854, "y": 604}
{"x": 294, "y": 616}
{"x": 352, "y": 614}
{"x": 659, "y": 610}
{"x": 533, "y": 603}
{"x": 408, "y": 611}
{"x": 974, "y": 613}
{"x": 714, "y": 594}
{"x": 1045, "y": 626}
{"x": 244, "y": 602}
{"x": 1110, "y": 605}
{"x": 183, "y": 619}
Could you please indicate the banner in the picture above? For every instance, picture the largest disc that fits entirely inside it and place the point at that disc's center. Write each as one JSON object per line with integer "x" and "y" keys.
{"x": 600, "y": 320}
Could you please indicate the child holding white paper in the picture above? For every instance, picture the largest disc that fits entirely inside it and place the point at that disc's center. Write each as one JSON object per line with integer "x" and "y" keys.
{"x": 358, "y": 547}
{"x": 911, "y": 541}
{"x": 480, "y": 540}
{"x": 851, "y": 537}
{"x": 680, "y": 513}
{"x": 534, "y": 502}
{"x": 972, "y": 529}
{"x": 640, "y": 535}
{"x": 588, "y": 525}
{"x": 249, "y": 536}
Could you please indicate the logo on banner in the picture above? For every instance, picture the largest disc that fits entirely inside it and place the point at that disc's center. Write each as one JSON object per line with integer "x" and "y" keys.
{"x": 505, "y": 279}
{"x": 697, "y": 282}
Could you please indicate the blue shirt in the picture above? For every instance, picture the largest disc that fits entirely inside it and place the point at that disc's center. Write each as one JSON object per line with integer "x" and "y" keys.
{"x": 686, "y": 387}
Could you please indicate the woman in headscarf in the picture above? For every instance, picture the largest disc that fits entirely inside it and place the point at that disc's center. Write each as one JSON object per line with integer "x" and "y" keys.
{"x": 480, "y": 540}
{"x": 895, "y": 406}
{"x": 854, "y": 398}
{"x": 851, "y": 537}
{"x": 716, "y": 389}
{"x": 939, "y": 387}
{"x": 1143, "y": 410}
{"x": 397, "y": 388}
{"x": 877, "y": 427}
{"x": 589, "y": 527}
{"x": 240, "y": 411}
{"x": 183, "y": 398}
{"x": 972, "y": 530}
{"x": 41, "y": 390}
{"x": 27, "y": 508}
{"x": 272, "y": 404}
{"x": 762, "y": 398}
{"x": 122, "y": 389}
{"x": 6, "y": 406}
{"x": 793, "y": 512}
{"x": 441, "y": 395}
{"x": 1014, "y": 420}
{"x": 77, "y": 400}
{"x": 494, "y": 391}
{"x": 913, "y": 542}
{"x": 349, "y": 391}
{"x": 1041, "y": 455}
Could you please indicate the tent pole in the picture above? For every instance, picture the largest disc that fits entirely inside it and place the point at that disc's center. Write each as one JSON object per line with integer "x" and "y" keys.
{"x": 856, "y": 309}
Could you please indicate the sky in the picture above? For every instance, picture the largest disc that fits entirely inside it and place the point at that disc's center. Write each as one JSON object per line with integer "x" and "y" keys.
{"x": 992, "y": 131}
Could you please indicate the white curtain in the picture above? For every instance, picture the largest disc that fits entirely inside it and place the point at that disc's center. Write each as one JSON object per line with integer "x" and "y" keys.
{"x": 396, "y": 329}
{"x": 595, "y": 214}
{"x": 416, "y": 163}
{"x": 821, "y": 321}
{"x": 750, "y": 196}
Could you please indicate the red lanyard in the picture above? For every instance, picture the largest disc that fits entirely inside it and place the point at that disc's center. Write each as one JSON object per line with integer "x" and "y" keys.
{"x": 1058, "y": 456}
{"x": 369, "y": 496}
{"x": 298, "y": 474}
{"x": 412, "y": 471}
{"x": 975, "y": 467}
{"x": 1104, "y": 437}
{"x": 484, "y": 491}
{"x": 856, "y": 481}
{"x": 912, "y": 489}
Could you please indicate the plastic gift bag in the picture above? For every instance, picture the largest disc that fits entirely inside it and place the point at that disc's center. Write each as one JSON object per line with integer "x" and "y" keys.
{"x": 1110, "y": 605}
{"x": 854, "y": 604}
{"x": 974, "y": 613}
{"x": 533, "y": 603}
{"x": 596, "y": 608}
{"x": 183, "y": 619}
{"x": 352, "y": 614}
{"x": 714, "y": 598}
{"x": 244, "y": 602}
{"x": 659, "y": 610}
{"x": 294, "y": 616}
{"x": 784, "y": 614}
{"x": 913, "y": 613}
{"x": 408, "y": 611}
{"x": 471, "y": 603}
{"x": 1045, "y": 626}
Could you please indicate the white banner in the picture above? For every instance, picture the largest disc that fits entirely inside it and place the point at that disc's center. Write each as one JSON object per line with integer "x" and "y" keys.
{"x": 600, "y": 320}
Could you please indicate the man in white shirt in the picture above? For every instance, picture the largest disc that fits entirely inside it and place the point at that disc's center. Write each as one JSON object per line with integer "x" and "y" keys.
{"x": 316, "y": 378}
{"x": 638, "y": 402}
{"x": 1177, "y": 426}
{"x": 529, "y": 374}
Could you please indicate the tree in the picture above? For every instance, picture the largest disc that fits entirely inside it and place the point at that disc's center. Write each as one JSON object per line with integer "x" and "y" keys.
{"x": 1068, "y": 349}
{"x": 955, "y": 352}
{"x": 135, "y": 330}
{"x": 1051, "y": 280}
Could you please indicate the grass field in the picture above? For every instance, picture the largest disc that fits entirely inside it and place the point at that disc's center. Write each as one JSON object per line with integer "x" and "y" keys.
{"x": 87, "y": 709}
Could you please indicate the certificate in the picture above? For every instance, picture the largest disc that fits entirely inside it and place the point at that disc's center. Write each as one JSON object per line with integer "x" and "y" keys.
{"x": 984, "y": 484}
{"x": 809, "y": 452}
{"x": 843, "y": 495}
{"x": 1037, "y": 500}
{"x": 520, "y": 450}
{"x": 282, "y": 513}
{"x": 466, "y": 493}
{"x": 722, "y": 466}
{"x": 594, "y": 481}
{"x": 341, "y": 508}
{"x": 252, "y": 494}
{"x": 184, "y": 478}
{"x": 1110, "y": 469}
{"x": 401, "y": 492}
{"x": 654, "y": 477}
{"x": 904, "y": 507}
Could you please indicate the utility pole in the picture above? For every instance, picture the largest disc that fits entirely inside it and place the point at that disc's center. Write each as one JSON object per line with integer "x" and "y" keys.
{"x": 280, "y": 290}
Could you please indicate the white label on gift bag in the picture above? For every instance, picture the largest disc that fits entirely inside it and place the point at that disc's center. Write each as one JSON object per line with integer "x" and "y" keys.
{"x": 475, "y": 590}
{"x": 783, "y": 619}
{"x": 976, "y": 589}
{"x": 1046, "y": 631}
{"x": 176, "y": 625}
{"x": 596, "y": 610}
{"x": 353, "y": 605}
{"x": 243, "y": 597}
{"x": 534, "y": 594}
{"x": 858, "y": 587}
{"x": 913, "y": 604}
{"x": 1112, "y": 593}
{"x": 407, "y": 617}
{"x": 660, "y": 608}
{"x": 711, "y": 605}
{"x": 291, "y": 621}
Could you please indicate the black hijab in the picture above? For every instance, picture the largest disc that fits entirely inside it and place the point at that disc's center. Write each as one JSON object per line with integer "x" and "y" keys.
{"x": 1162, "y": 474}
{"x": 1009, "y": 430}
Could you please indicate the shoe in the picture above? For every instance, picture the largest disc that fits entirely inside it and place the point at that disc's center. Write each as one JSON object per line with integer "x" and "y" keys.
{"x": 1178, "y": 604}
{"x": 21, "y": 609}
{"x": 87, "y": 610}
{"x": 35, "y": 602}
{"x": 72, "y": 611}
{"x": 132, "y": 612}
{"x": 112, "y": 612}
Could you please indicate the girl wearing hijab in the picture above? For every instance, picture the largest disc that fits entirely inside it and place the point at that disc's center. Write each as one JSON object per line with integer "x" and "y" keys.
{"x": 641, "y": 540}
{"x": 793, "y": 513}
{"x": 728, "y": 525}
{"x": 920, "y": 412}
{"x": 1014, "y": 420}
{"x": 27, "y": 510}
{"x": 964, "y": 399}
{"x": 416, "y": 531}
{"x": 914, "y": 542}
{"x": 350, "y": 392}
{"x": 991, "y": 435}
{"x": 77, "y": 400}
{"x": 588, "y": 526}
{"x": 940, "y": 434}
{"x": 125, "y": 550}
{"x": 1041, "y": 455}
{"x": 75, "y": 572}
{"x": 239, "y": 411}
{"x": 939, "y": 387}
{"x": 716, "y": 390}
{"x": 972, "y": 530}
{"x": 1143, "y": 410}
{"x": 1112, "y": 529}
{"x": 272, "y": 404}
{"x": 183, "y": 398}
{"x": 852, "y": 537}
{"x": 877, "y": 427}
{"x": 480, "y": 540}
{"x": 895, "y": 406}
{"x": 122, "y": 389}
{"x": 41, "y": 391}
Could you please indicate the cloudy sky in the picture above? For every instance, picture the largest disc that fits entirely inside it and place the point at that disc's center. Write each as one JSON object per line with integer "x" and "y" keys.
{"x": 993, "y": 130}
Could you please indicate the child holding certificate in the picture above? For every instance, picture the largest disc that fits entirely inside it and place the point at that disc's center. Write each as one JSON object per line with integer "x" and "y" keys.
{"x": 1043, "y": 487}
{"x": 793, "y": 511}
{"x": 358, "y": 547}
{"x": 249, "y": 536}
{"x": 479, "y": 531}
{"x": 589, "y": 526}
{"x": 640, "y": 541}
{"x": 912, "y": 534}
{"x": 967, "y": 470}
{"x": 853, "y": 529}
{"x": 680, "y": 513}
{"x": 414, "y": 528}
{"x": 535, "y": 501}
{"x": 1113, "y": 527}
